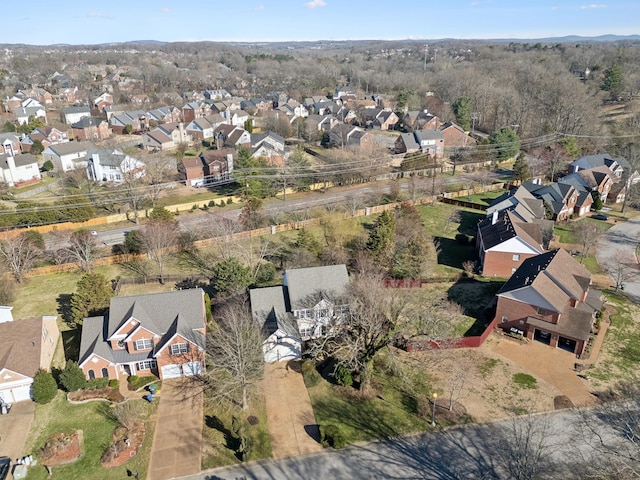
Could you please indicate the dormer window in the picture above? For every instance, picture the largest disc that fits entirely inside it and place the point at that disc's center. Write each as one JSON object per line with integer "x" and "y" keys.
{"x": 144, "y": 344}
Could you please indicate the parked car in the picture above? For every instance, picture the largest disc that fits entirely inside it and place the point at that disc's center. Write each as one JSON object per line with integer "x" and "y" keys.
{"x": 600, "y": 216}
{"x": 94, "y": 233}
{"x": 5, "y": 466}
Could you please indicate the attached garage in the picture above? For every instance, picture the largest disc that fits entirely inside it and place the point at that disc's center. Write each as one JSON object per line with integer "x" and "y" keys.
{"x": 567, "y": 344}
{"x": 18, "y": 393}
{"x": 171, "y": 371}
{"x": 191, "y": 368}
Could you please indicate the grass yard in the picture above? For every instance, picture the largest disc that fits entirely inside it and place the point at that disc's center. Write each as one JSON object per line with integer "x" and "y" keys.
{"x": 620, "y": 355}
{"x": 487, "y": 197}
{"x": 219, "y": 441}
{"x": 60, "y": 415}
{"x": 390, "y": 412}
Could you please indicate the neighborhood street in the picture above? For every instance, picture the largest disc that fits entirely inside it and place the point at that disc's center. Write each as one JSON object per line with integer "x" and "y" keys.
{"x": 497, "y": 450}
{"x": 618, "y": 246}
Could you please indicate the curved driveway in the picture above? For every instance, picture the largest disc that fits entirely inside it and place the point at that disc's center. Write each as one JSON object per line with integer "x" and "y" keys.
{"x": 618, "y": 244}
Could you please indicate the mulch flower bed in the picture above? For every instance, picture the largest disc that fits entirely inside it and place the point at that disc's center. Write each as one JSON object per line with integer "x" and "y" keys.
{"x": 107, "y": 393}
{"x": 61, "y": 448}
{"x": 126, "y": 444}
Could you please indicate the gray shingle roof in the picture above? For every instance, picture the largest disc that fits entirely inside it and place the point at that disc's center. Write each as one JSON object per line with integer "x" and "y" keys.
{"x": 303, "y": 283}
{"x": 269, "y": 309}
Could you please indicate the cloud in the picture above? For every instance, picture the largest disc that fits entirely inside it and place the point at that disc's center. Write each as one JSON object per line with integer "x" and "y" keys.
{"x": 315, "y": 3}
{"x": 164, "y": 9}
{"x": 98, "y": 15}
{"x": 258, "y": 8}
{"x": 593, "y": 5}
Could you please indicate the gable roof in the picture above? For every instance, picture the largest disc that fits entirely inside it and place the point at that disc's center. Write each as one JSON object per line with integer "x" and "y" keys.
{"x": 269, "y": 307}
{"x": 303, "y": 283}
{"x": 591, "y": 161}
{"x": 21, "y": 345}
{"x": 522, "y": 201}
{"x": 69, "y": 147}
{"x": 507, "y": 227}
{"x": 19, "y": 160}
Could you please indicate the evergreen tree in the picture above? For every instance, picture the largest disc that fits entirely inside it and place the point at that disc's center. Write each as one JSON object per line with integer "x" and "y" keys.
{"x": 507, "y": 143}
{"x": 597, "y": 201}
{"x": 230, "y": 277}
{"x": 462, "y": 111}
{"x": 44, "y": 388}
{"x": 72, "y": 377}
{"x": 613, "y": 80}
{"x": 521, "y": 170}
{"x": 380, "y": 241}
{"x": 92, "y": 297}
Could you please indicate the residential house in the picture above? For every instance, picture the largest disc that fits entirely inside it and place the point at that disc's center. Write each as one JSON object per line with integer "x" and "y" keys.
{"x": 616, "y": 164}
{"x": 135, "y": 120}
{"x": 519, "y": 200}
{"x": 71, "y": 115}
{"x": 167, "y": 114}
{"x": 618, "y": 192}
{"x": 455, "y": 136}
{"x": 379, "y": 119}
{"x": 176, "y": 131}
{"x": 67, "y": 95}
{"x": 597, "y": 180}
{"x": 269, "y": 146}
{"x": 102, "y": 100}
{"x": 112, "y": 166}
{"x": 157, "y": 141}
{"x": 504, "y": 241}
{"x": 319, "y": 123}
{"x": 344, "y": 135}
{"x": 159, "y": 334}
{"x": 232, "y": 136}
{"x": 67, "y": 156}
{"x": 89, "y": 128}
{"x": 27, "y": 346}
{"x": 203, "y": 128}
{"x": 216, "y": 94}
{"x": 9, "y": 144}
{"x": 561, "y": 199}
{"x": 282, "y": 340}
{"x": 235, "y": 117}
{"x": 49, "y": 135}
{"x": 420, "y": 120}
{"x": 16, "y": 170}
{"x": 345, "y": 93}
{"x": 40, "y": 94}
{"x": 208, "y": 167}
{"x": 549, "y": 299}
{"x": 430, "y": 142}
{"x": 23, "y": 114}
{"x": 196, "y": 109}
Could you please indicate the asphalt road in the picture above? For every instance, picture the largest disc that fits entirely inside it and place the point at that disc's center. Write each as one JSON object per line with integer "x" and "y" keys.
{"x": 500, "y": 450}
{"x": 618, "y": 246}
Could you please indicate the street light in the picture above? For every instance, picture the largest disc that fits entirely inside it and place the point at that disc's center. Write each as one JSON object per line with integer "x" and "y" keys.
{"x": 433, "y": 416}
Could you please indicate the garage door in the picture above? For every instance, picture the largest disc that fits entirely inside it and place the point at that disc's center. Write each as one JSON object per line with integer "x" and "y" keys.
{"x": 171, "y": 371}
{"x": 16, "y": 394}
{"x": 191, "y": 368}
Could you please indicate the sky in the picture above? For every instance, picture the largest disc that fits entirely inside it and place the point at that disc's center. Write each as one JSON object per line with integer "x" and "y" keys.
{"x": 47, "y": 22}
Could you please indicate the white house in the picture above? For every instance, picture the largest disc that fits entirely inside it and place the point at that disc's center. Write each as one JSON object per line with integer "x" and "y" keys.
{"x": 112, "y": 166}
{"x": 282, "y": 340}
{"x": 27, "y": 346}
{"x": 24, "y": 113}
{"x": 67, "y": 156}
{"x": 19, "y": 169}
{"x": 74, "y": 114}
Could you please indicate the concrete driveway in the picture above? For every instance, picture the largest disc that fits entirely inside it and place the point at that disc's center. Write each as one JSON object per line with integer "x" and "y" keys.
{"x": 292, "y": 424}
{"x": 618, "y": 244}
{"x": 177, "y": 438}
{"x": 14, "y": 429}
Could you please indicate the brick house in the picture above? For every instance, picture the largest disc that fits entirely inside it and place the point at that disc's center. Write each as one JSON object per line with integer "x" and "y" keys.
{"x": 193, "y": 110}
{"x": 549, "y": 299}
{"x": 455, "y": 136}
{"x": 504, "y": 242}
{"x": 88, "y": 128}
{"x": 430, "y": 142}
{"x": 160, "y": 334}
{"x": 561, "y": 199}
{"x": 344, "y": 135}
{"x": 209, "y": 166}
{"x": 49, "y": 135}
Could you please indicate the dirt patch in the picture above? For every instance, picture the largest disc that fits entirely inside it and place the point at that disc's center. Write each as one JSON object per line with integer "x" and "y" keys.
{"x": 126, "y": 443}
{"x": 107, "y": 393}
{"x": 561, "y": 402}
{"x": 62, "y": 448}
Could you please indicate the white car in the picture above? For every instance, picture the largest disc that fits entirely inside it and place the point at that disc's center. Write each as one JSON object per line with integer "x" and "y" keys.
{"x": 94, "y": 233}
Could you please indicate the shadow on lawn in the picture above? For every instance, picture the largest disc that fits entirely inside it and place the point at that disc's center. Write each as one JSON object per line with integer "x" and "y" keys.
{"x": 477, "y": 299}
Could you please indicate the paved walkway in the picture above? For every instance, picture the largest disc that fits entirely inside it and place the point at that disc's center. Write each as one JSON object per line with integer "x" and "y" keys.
{"x": 292, "y": 424}
{"x": 553, "y": 365}
{"x": 619, "y": 244}
{"x": 177, "y": 439}
{"x": 14, "y": 428}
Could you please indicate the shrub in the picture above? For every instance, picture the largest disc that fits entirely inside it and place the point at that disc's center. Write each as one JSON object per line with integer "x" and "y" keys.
{"x": 72, "y": 377}
{"x": 135, "y": 382}
{"x": 229, "y": 201}
{"x": 332, "y": 436}
{"x": 113, "y": 383}
{"x": 343, "y": 376}
{"x": 44, "y": 387}
{"x": 212, "y": 203}
{"x": 194, "y": 207}
{"x": 310, "y": 374}
{"x": 96, "y": 383}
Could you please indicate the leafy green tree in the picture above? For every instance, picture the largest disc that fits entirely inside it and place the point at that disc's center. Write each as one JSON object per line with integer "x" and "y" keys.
{"x": 570, "y": 146}
{"x": 47, "y": 166}
{"x": 31, "y": 125}
{"x": 231, "y": 277}
{"x": 462, "y": 110}
{"x": 380, "y": 241}
{"x": 37, "y": 148}
{"x": 613, "y": 80}
{"x": 266, "y": 275}
{"x": 521, "y": 170}
{"x": 207, "y": 307}
{"x": 72, "y": 377}
{"x": 248, "y": 125}
{"x": 247, "y": 171}
{"x": 597, "y": 201}
{"x": 128, "y": 129}
{"x": 161, "y": 213}
{"x": 92, "y": 297}
{"x": 8, "y": 127}
{"x": 298, "y": 165}
{"x": 412, "y": 244}
{"x": 44, "y": 388}
{"x": 507, "y": 143}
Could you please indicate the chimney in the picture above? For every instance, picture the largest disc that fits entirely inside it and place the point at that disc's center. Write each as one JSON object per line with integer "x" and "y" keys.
{"x": 230, "y": 162}
{"x": 11, "y": 163}
{"x": 494, "y": 217}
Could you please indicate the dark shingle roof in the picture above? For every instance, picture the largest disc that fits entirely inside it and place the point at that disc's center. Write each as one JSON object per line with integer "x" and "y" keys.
{"x": 303, "y": 283}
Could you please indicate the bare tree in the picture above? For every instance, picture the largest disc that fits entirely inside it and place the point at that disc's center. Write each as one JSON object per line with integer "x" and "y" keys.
{"x": 19, "y": 253}
{"x": 620, "y": 269}
{"x": 158, "y": 238}
{"x": 134, "y": 191}
{"x": 353, "y": 203}
{"x": 417, "y": 187}
{"x": 234, "y": 351}
{"x": 158, "y": 172}
{"x": 80, "y": 247}
{"x": 587, "y": 233}
{"x": 457, "y": 379}
{"x": 454, "y": 217}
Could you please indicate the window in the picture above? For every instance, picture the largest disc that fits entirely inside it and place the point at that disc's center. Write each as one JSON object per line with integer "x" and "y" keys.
{"x": 105, "y": 373}
{"x": 91, "y": 374}
{"x": 144, "y": 344}
{"x": 146, "y": 365}
{"x": 179, "y": 348}
{"x": 306, "y": 332}
{"x": 505, "y": 319}
{"x": 120, "y": 344}
{"x": 516, "y": 257}
{"x": 543, "y": 311}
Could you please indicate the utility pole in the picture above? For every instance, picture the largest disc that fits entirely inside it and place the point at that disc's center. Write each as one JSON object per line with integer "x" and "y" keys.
{"x": 426, "y": 52}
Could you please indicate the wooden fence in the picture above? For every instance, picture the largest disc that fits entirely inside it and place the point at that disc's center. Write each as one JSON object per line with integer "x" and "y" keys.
{"x": 459, "y": 342}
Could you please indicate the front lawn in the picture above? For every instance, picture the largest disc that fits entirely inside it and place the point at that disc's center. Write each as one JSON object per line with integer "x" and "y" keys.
{"x": 91, "y": 418}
